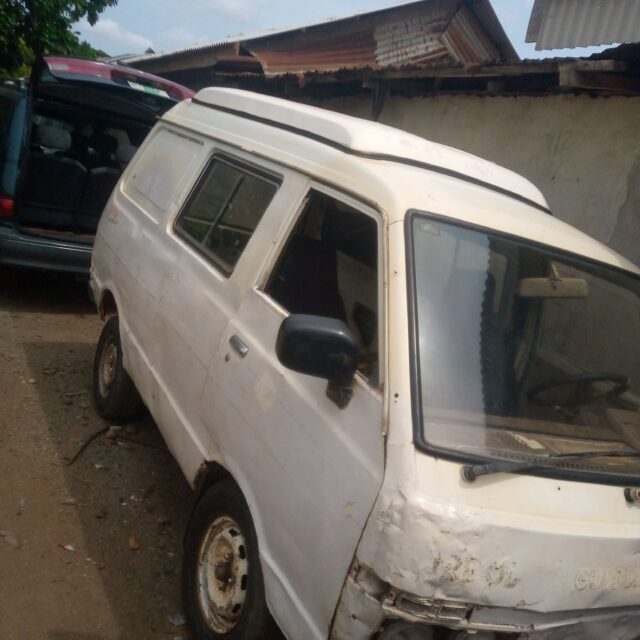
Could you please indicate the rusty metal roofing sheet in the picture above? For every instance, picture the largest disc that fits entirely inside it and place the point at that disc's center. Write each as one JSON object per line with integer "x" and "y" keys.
{"x": 320, "y": 50}
{"x": 487, "y": 17}
{"x": 422, "y": 33}
{"x": 412, "y": 34}
{"x": 403, "y": 33}
{"x": 269, "y": 33}
{"x": 467, "y": 42}
{"x": 557, "y": 24}
{"x": 408, "y": 34}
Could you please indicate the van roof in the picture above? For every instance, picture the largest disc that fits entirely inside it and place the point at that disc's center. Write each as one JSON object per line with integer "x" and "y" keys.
{"x": 370, "y": 140}
{"x": 385, "y": 166}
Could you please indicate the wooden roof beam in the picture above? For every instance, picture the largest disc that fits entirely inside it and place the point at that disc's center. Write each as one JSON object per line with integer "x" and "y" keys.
{"x": 572, "y": 76}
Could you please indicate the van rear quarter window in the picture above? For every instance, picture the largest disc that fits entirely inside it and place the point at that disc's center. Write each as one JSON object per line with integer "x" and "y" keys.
{"x": 224, "y": 211}
{"x": 162, "y": 170}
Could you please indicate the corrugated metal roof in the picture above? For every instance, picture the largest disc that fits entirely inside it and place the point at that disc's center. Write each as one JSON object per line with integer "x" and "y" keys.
{"x": 610, "y": 72}
{"x": 265, "y": 33}
{"x": 412, "y": 35}
{"x": 401, "y": 33}
{"x": 557, "y": 24}
{"x": 486, "y": 14}
{"x": 466, "y": 42}
{"x": 409, "y": 35}
{"x": 210, "y": 46}
{"x": 319, "y": 50}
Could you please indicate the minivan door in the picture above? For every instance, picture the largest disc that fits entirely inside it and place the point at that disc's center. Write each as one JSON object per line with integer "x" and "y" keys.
{"x": 310, "y": 470}
{"x": 87, "y": 119}
{"x": 14, "y": 110}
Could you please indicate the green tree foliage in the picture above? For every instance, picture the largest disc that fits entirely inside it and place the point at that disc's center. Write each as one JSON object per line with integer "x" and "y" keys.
{"x": 31, "y": 28}
{"x": 84, "y": 50}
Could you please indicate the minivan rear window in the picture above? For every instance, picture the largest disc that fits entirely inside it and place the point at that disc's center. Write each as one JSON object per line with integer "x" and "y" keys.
{"x": 224, "y": 211}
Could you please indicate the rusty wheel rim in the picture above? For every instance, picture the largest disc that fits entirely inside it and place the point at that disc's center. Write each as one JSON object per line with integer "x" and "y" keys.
{"x": 222, "y": 574}
{"x": 107, "y": 367}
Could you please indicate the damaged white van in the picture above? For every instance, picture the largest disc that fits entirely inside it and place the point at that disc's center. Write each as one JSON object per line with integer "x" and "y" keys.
{"x": 407, "y": 396}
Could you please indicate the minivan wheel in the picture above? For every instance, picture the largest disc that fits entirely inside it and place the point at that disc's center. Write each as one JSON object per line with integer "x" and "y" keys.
{"x": 222, "y": 583}
{"x": 114, "y": 393}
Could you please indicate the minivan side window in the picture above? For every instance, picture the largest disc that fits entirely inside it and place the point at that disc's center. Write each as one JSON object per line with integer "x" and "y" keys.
{"x": 224, "y": 209}
{"x": 329, "y": 267}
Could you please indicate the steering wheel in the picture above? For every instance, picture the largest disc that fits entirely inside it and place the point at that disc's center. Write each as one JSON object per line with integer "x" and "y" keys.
{"x": 585, "y": 391}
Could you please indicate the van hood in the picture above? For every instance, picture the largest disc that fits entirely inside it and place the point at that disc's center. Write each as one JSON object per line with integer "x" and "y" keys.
{"x": 513, "y": 541}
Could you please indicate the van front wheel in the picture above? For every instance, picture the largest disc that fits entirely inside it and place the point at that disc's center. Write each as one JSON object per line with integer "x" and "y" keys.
{"x": 114, "y": 393}
{"x": 223, "y": 590}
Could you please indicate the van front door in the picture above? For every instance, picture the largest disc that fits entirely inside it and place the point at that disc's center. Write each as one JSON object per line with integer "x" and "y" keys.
{"x": 310, "y": 471}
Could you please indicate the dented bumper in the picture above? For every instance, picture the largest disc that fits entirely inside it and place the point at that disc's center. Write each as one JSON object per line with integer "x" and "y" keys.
{"x": 478, "y": 618}
{"x": 553, "y": 567}
{"x": 369, "y": 607}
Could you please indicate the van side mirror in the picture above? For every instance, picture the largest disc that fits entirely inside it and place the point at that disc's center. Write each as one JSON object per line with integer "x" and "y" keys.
{"x": 320, "y": 347}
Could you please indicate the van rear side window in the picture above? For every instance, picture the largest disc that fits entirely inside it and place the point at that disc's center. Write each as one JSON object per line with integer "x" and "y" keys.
{"x": 161, "y": 172}
{"x": 224, "y": 210}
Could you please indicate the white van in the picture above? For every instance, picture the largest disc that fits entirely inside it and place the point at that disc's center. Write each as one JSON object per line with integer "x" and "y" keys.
{"x": 406, "y": 395}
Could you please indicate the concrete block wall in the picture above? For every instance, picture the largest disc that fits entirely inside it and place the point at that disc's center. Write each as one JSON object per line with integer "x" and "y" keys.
{"x": 582, "y": 152}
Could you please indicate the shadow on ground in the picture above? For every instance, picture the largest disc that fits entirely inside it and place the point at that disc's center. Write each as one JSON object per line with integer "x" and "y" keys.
{"x": 123, "y": 503}
{"x": 124, "y": 499}
{"x": 130, "y": 496}
{"x": 42, "y": 292}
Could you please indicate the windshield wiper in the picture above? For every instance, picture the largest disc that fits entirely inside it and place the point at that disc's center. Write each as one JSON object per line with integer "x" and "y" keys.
{"x": 472, "y": 471}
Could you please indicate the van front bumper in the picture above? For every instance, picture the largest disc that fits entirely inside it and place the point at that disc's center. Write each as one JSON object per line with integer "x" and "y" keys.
{"x": 26, "y": 250}
{"x": 531, "y": 556}
{"x": 369, "y": 606}
{"x": 476, "y": 618}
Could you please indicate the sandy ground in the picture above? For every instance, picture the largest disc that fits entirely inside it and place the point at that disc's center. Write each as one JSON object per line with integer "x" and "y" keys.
{"x": 117, "y": 495}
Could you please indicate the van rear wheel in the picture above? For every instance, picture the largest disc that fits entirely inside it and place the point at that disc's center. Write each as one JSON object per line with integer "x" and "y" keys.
{"x": 223, "y": 591}
{"x": 114, "y": 393}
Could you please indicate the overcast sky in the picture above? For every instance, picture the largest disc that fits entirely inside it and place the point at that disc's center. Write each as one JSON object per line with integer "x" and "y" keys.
{"x": 134, "y": 25}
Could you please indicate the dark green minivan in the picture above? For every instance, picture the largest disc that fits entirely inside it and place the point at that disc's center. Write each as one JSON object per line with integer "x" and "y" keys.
{"x": 64, "y": 141}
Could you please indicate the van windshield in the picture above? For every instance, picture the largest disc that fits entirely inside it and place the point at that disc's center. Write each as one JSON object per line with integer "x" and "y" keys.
{"x": 524, "y": 353}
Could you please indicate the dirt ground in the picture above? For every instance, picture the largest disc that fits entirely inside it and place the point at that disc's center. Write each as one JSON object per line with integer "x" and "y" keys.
{"x": 122, "y": 506}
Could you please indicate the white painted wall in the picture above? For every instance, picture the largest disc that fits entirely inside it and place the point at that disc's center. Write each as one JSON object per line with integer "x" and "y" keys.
{"x": 582, "y": 152}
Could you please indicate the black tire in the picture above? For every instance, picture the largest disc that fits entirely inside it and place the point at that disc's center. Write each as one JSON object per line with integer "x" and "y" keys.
{"x": 223, "y": 501}
{"x": 114, "y": 393}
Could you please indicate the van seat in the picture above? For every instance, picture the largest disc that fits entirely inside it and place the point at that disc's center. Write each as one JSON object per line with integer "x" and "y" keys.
{"x": 52, "y": 138}
{"x": 125, "y": 154}
{"x": 104, "y": 147}
{"x": 52, "y": 190}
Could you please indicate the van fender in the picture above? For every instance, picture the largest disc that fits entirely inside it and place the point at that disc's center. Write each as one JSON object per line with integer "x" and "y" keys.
{"x": 277, "y": 588}
{"x": 208, "y": 474}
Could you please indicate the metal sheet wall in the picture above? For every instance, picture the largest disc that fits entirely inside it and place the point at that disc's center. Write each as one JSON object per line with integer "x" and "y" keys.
{"x": 558, "y": 24}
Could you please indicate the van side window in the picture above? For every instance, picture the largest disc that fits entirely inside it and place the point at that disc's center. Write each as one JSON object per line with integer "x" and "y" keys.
{"x": 329, "y": 267}
{"x": 224, "y": 210}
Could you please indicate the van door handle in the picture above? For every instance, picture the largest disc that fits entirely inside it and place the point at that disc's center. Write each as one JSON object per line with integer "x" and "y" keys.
{"x": 239, "y": 346}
